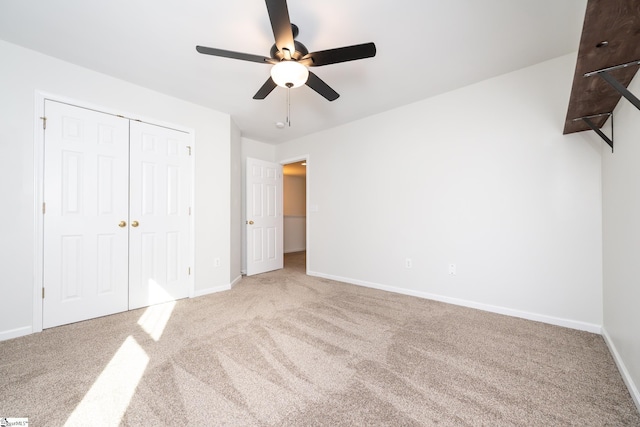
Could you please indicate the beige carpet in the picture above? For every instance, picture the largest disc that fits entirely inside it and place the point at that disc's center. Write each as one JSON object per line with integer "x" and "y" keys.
{"x": 285, "y": 349}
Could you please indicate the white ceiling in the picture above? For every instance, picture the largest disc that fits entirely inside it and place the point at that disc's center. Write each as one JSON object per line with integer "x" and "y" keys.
{"x": 425, "y": 47}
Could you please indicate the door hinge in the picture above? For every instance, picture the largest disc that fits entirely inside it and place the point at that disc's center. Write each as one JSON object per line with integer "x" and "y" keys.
{"x": 43, "y": 293}
{"x": 189, "y": 148}
{"x": 44, "y": 208}
{"x": 189, "y": 270}
{"x": 189, "y": 210}
{"x": 44, "y": 122}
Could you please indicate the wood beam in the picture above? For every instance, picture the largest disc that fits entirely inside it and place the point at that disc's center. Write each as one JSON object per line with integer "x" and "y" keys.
{"x": 610, "y": 37}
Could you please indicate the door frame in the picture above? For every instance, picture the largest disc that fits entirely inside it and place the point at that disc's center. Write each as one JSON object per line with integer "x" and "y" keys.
{"x": 297, "y": 159}
{"x": 38, "y": 187}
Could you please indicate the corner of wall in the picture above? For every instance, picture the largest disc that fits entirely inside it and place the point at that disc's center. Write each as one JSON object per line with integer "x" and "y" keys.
{"x": 624, "y": 372}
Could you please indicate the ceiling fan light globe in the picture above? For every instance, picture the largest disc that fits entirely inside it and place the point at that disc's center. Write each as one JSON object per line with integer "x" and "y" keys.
{"x": 289, "y": 74}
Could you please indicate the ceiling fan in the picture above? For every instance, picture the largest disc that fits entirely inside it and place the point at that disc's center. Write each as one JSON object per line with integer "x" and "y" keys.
{"x": 290, "y": 58}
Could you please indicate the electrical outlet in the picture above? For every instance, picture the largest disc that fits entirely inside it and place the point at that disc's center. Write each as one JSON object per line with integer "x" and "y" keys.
{"x": 216, "y": 262}
{"x": 408, "y": 263}
{"x": 452, "y": 269}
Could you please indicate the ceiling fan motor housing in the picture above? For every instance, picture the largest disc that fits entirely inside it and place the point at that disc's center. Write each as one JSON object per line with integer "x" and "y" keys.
{"x": 301, "y": 51}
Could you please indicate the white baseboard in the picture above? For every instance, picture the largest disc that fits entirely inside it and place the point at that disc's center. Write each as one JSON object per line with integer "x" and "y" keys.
{"x": 15, "y": 333}
{"x": 216, "y": 289}
{"x": 213, "y": 290}
{"x": 633, "y": 388}
{"x": 567, "y": 323}
{"x": 235, "y": 281}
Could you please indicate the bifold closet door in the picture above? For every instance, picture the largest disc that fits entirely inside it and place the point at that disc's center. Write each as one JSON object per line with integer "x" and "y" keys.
{"x": 86, "y": 204}
{"x": 160, "y": 189}
{"x": 117, "y": 206}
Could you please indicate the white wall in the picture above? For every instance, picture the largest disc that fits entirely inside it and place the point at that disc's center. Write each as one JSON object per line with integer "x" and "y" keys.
{"x": 23, "y": 72}
{"x": 481, "y": 177}
{"x": 621, "y": 241}
{"x": 257, "y": 150}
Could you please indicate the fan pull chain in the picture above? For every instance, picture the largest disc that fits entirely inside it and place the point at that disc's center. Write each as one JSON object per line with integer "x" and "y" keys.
{"x": 289, "y": 103}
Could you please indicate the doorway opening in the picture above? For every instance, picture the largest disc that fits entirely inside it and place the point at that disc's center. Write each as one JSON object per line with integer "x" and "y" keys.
{"x": 295, "y": 211}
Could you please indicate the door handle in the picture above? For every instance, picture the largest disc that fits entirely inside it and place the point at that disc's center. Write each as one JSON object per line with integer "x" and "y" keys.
{"x": 122, "y": 224}
{"x": 250, "y": 222}
{"x": 135, "y": 224}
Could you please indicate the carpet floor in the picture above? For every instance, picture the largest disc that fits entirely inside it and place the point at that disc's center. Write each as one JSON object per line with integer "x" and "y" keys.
{"x": 282, "y": 348}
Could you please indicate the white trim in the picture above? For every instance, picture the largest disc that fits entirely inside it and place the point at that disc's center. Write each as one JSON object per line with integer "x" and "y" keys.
{"x": 113, "y": 111}
{"x": 235, "y": 281}
{"x": 38, "y": 189}
{"x": 213, "y": 290}
{"x": 294, "y": 160}
{"x": 567, "y": 323}
{"x": 192, "y": 219}
{"x": 15, "y": 333}
{"x": 38, "y": 159}
{"x": 624, "y": 372}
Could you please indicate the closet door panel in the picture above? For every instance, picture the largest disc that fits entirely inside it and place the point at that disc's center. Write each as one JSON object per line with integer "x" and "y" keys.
{"x": 160, "y": 188}
{"x": 85, "y": 242}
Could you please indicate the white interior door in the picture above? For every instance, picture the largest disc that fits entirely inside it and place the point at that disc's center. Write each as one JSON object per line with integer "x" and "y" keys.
{"x": 86, "y": 157}
{"x": 265, "y": 251}
{"x": 160, "y": 185}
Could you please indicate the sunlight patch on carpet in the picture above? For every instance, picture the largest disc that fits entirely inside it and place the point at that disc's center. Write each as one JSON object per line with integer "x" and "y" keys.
{"x": 155, "y": 319}
{"x": 107, "y": 400}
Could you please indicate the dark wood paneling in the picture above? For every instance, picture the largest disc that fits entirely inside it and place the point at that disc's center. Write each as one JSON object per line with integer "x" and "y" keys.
{"x": 618, "y": 23}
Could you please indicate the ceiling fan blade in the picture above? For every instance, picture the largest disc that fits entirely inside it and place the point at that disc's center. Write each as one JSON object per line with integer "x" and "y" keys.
{"x": 341, "y": 54}
{"x": 281, "y": 25}
{"x": 234, "y": 55}
{"x": 266, "y": 89}
{"x": 315, "y": 83}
